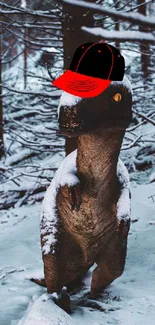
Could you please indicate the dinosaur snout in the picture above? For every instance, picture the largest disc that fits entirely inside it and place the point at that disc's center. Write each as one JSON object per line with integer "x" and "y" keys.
{"x": 70, "y": 121}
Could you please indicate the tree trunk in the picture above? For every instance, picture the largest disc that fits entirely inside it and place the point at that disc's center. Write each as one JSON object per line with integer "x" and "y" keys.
{"x": 1, "y": 104}
{"x": 144, "y": 47}
{"x": 73, "y": 19}
{"x": 25, "y": 57}
{"x": 117, "y": 44}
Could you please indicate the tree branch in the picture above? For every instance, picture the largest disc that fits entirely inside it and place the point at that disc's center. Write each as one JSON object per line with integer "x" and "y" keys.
{"x": 54, "y": 93}
{"x": 123, "y": 36}
{"x": 135, "y": 18}
{"x": 144, "y": 117}
{"x": 20, "y": 11}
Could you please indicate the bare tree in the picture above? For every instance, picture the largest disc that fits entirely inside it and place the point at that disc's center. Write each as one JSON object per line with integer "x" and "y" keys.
{"x": 117, "y": 25}
{"x": 1, "y": 103}
{"x": 144, "y": 46}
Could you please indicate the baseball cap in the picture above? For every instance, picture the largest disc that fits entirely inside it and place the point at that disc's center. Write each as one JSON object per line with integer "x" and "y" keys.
{"x": 93, "y": 67}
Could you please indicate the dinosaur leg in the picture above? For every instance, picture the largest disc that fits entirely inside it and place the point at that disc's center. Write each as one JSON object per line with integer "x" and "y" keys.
{"x": 61, "y": 297}
{"x": 110, "y": 263}
{"x": 51, "y": 273}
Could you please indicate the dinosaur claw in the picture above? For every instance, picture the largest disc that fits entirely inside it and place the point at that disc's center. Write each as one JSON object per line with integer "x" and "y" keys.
{"x": 75, "y": 197}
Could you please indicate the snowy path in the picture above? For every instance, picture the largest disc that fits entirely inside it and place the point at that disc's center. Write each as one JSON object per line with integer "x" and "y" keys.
{"x": 128, "y": 301}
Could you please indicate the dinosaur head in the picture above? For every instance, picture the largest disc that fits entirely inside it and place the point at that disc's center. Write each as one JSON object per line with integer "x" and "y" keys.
{"x": 111, "y": 109}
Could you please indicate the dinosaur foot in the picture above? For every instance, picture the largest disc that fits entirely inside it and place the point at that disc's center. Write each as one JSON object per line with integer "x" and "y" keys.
{"x": 63, "y": 300}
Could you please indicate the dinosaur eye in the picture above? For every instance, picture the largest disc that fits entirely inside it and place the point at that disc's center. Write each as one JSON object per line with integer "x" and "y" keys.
{"x": 117, "y": 97}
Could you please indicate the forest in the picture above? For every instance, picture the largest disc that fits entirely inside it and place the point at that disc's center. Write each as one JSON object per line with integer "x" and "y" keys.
{"x": 37, "y": 41}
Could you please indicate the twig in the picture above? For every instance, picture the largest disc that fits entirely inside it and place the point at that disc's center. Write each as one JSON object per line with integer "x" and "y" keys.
{"x": 144, "y": 117}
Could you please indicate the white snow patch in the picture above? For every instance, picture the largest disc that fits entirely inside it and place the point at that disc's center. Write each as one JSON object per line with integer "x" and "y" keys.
{"x": 152, "y": 177}
{"x": 36, "y": 274}
{"x": 50, "y": 49}
{"x": 124, "y": 202}
{"x": 113, "y": 35}
{"x": 123, "y": 205}
{"x": 23, "y": 4}
{"x": 69, "y": 100}
{"x": 65, "y": 175}
{"x": 45, "y": 312}
{"x": 17, "y": 157}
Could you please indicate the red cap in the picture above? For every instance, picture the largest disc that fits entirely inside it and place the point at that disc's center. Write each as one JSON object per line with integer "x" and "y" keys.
{"x": 80, "y": 85}
{"x": 94, "y": 66}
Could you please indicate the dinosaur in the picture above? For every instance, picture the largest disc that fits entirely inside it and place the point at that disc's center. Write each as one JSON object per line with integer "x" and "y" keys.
{"x": 85, "y": 216}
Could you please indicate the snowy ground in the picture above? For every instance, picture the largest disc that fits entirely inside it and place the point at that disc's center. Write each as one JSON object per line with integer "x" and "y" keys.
{"x": 128, "y": 301}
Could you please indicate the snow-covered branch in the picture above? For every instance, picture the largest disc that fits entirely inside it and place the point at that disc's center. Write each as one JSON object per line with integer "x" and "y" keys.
{"x": 132, "y": 128}
{"x": 123, "y": 36}
{"x": 133, "y": 17}
{"x": 148, "y": 119}
{"x": 53, "y": 93}
{"x": 22, "y": 11}
{"x": 132, "y": 144}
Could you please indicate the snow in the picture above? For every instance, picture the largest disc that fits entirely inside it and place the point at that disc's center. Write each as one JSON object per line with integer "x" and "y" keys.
{"x": 152, "y": 177}
{"x": 128, "y": 300}
{"x": 17, "y": 157}
{"x": 50, "y": 49}
{"x": 44, "y": 311}
{"x": 126, "y": 36}
{"x": 49, "y": 221}
{"x": 23, "y": 4}
{"x": 37, "y": 274}
{"x": 68, "y": 99}
{"x": 123, "y": 204}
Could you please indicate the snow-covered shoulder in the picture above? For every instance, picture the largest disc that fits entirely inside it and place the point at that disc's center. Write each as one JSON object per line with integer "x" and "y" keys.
{"x": 65, "y": 175}
{"x": 124, "y": 202}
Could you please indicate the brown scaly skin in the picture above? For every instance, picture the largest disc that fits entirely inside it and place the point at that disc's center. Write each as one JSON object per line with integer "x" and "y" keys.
{"x": 89, "y": 231}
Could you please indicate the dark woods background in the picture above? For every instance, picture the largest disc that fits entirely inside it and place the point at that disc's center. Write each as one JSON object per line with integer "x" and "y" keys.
{"x": 37, "y": 40}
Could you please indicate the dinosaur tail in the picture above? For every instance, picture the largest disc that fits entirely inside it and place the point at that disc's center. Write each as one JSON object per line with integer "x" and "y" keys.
{"x": 40, "y": 282}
